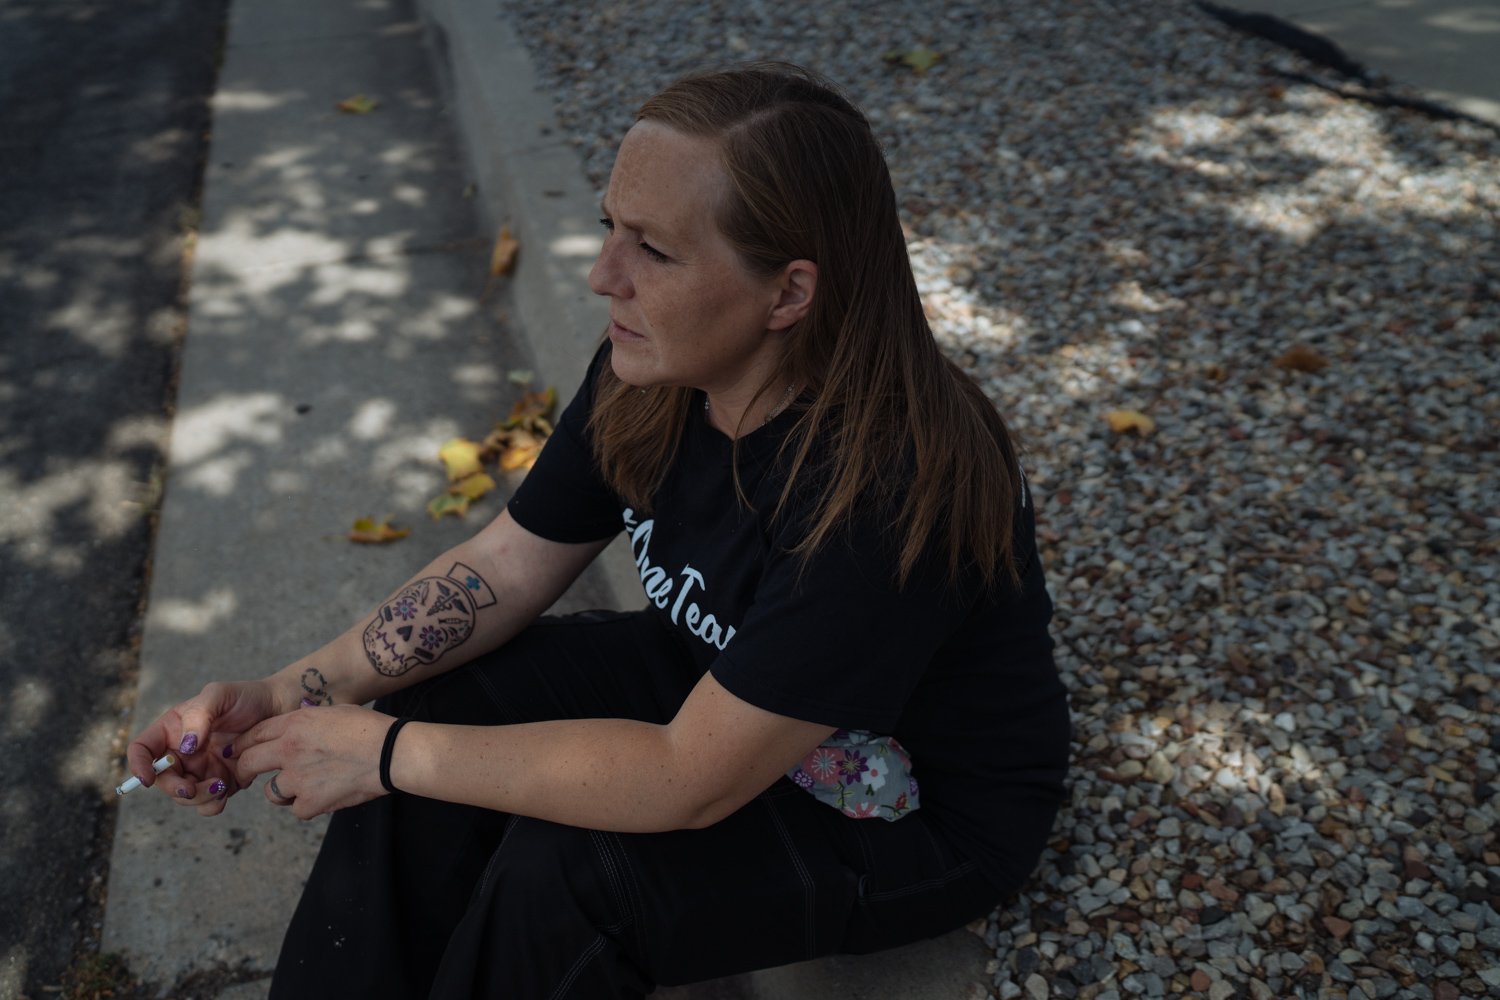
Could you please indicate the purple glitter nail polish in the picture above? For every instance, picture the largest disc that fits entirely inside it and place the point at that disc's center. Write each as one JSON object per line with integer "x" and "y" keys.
{"x": 309, "y": 703}
{"x": 182, "y": 793}
{"x": 189, "y": 744}
{"x": 217, "y": 788}
{"x": 229, "y": 750}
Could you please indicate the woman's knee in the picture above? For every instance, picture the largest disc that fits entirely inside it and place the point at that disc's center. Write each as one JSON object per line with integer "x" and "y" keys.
{"x": 545, "y": 872}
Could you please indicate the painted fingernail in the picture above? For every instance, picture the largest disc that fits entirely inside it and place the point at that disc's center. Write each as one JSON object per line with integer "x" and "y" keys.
{"x": 229, "y": 750}
{"x": 183, "y": 793}
{"x": 309, "y": 703}
{"x": 189, "y": 744}
{"x": 217, "y": 788}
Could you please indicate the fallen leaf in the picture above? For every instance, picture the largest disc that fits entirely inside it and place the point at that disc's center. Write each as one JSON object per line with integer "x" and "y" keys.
{"x": 367, "y": 532}
{"x": 1301, "y": 358}
{"x": 359, "y": 104}
{"x": 530, "y": 407}
{"x": 520, "y": 451}
{"x": 447, "y": 503}
{"x": 503, "y": 257}
{"x": 921, "y": 59}
{"x": 1124, "y": 421}
{"x": 474, "y": 486}
{"x": 461, "y": 456}
{"x": 520, "y": 376}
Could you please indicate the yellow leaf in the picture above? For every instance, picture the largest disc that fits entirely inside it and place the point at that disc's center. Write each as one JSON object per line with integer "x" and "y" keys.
{"x": 448, "y": 503}
{"x": 520, "y": 451}
{"x": 461, "y": 456}
{"x": 531, "y": 406}
{"x": 1124, "y": 421}
{"x": 359, "y": 104}
{"x": 503, "y": 257}
{"x": 368, "y": 532}
{"x": 474, "y": 486}
{"x": 920, "y": 59}
{"x": 1301, "y": 358}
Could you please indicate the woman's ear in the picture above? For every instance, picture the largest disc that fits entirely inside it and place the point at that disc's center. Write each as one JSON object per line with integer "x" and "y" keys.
{"x": 796, "y": 286}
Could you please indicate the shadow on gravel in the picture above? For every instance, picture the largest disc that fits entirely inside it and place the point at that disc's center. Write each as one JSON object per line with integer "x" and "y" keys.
{"x": 1277, "y": 613}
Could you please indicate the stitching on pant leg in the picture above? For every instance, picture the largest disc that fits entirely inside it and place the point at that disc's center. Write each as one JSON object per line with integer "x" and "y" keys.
{"x": 864, "y": 845}
{"x": 966, "y": 868}
{"x": 637, "y": 915}
{"x": 613, "y": 876}
{"x": 493, "y": 692}
{"x": 809, "y": 889}
{"x": 489, "y": 867}
{"x": 566, "y": 983}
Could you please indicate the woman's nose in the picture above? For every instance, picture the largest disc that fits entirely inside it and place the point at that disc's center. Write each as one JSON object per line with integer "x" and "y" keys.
{"x": 606, "y": 276}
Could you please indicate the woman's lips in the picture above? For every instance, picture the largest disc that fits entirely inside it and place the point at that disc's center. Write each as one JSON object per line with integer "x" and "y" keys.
{"x": 618, "y": 332}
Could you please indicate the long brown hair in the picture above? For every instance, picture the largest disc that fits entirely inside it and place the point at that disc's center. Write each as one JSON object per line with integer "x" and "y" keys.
{"x": 904, "y": 428}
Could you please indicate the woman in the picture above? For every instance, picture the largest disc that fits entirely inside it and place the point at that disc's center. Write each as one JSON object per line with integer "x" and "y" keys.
{"x": 835, "y": 727}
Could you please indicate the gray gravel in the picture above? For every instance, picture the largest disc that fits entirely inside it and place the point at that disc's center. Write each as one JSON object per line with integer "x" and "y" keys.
{"x": 1279, "y": 612}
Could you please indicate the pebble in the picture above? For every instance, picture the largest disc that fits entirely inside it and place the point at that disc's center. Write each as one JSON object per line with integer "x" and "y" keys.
{"x": 1278, "y": 613}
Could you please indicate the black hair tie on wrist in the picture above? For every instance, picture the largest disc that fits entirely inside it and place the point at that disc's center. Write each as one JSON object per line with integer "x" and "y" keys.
{"x": 385, "y": 754}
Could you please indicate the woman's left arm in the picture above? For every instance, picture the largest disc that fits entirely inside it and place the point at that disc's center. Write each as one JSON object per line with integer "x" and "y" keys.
{"x": 717, "y": 754}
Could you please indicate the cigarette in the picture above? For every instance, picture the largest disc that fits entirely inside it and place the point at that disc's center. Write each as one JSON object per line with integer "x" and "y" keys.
{"x": 159, "y": 765}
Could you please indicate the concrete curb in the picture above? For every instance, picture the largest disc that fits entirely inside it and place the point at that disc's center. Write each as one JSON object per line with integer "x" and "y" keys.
{"x": 530, "y": 178}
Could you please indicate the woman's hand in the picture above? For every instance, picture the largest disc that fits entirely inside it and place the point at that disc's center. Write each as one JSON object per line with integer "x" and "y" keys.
{"x": 328, "y": 757}
{"x": 201, "y": 733}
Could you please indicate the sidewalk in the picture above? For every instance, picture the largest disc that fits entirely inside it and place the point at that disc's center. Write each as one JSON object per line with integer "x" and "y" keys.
{"x": 337, "y": 339}
{"x": 1445, "y": 49}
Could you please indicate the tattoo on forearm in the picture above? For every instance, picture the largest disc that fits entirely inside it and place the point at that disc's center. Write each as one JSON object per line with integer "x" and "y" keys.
{"x": 425, "y": 619}
{"x": 315, "y": 687}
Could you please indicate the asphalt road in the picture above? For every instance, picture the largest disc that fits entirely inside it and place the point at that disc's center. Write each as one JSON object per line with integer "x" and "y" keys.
{"x": 103, "y": 122}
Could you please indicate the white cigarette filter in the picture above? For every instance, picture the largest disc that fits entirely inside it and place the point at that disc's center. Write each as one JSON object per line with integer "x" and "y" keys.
{"x": 132, "y": 783}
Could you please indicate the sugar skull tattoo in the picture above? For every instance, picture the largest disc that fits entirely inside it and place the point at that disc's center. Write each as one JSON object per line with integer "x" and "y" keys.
{"x": 425, "y": 619}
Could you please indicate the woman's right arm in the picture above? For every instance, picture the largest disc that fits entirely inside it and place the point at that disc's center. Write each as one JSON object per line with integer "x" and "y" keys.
{"x": 468, "y": 601}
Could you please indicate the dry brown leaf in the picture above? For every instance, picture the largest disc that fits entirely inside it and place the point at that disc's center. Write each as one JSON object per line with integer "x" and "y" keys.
{"x": 521, "y": 450}
{"x": 530, "y": 407}
{"x": 368, "y": 532}
{"x": 359, "y": 104}
{"x": 1301, "y": 358}
{"x": 503, "y": 257}
{"x": 1125, "y": 421}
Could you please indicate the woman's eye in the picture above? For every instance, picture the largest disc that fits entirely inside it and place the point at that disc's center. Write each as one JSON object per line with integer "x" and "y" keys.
{"x": 651, "y": 251}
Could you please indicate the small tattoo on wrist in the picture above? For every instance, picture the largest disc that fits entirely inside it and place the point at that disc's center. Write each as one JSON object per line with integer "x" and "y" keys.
{"x": 315, "y": 688}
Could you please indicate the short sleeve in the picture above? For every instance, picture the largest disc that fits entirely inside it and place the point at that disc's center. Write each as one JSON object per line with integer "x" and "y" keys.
{"x": 834, "y": 641}
{"x": 564, "y": 498}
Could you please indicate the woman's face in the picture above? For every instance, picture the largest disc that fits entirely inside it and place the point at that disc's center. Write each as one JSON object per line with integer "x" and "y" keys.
{"x": 684, "y": 310}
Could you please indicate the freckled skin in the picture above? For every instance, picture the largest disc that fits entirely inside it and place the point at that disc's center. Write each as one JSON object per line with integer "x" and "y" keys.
{"x": 702, "y": 318}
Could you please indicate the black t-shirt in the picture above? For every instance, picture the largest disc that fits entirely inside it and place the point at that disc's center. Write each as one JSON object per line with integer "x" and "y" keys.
{"x": 963, "y": 679}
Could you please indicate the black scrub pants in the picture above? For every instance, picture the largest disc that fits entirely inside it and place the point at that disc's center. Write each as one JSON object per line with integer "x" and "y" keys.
{"x": 412, "y": 897}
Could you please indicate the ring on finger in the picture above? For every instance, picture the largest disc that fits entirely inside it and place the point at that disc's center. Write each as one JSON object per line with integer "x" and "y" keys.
{"x": 277, "y": 796}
